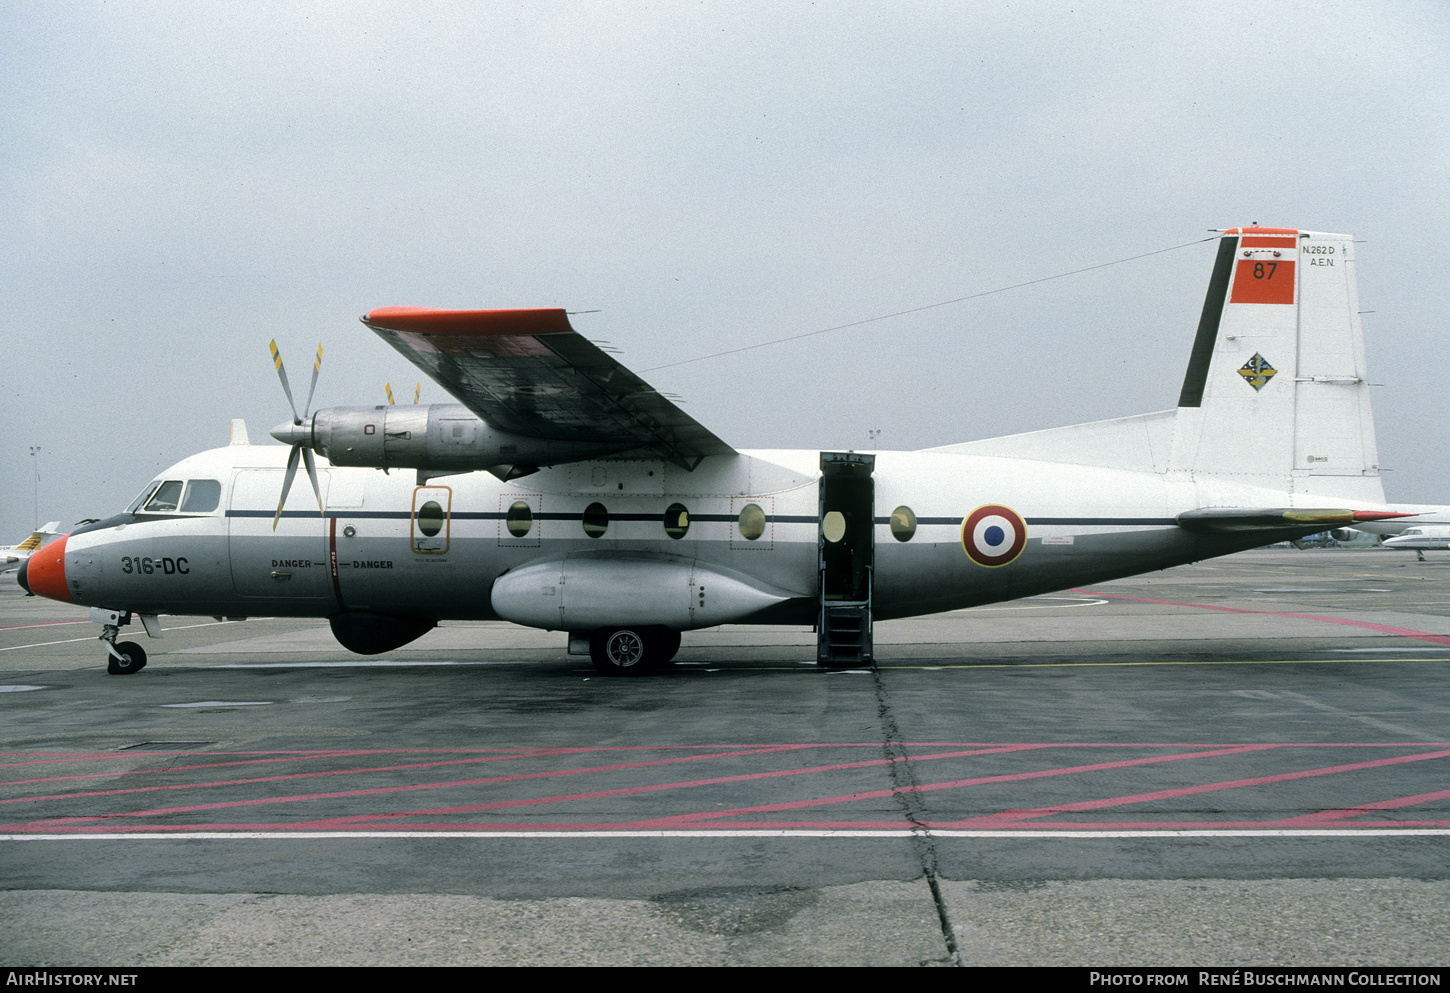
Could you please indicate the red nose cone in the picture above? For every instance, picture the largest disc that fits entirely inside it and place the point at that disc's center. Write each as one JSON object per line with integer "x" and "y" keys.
{"x": 45, "y": 571}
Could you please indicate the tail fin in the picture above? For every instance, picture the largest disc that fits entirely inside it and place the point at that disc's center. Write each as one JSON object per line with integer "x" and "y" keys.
{"x": 1276, "y": 393}
{"x": 38, "y": 536}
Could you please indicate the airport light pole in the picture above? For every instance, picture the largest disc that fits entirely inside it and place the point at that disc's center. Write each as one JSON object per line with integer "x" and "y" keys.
{"x": 35, "y": 485}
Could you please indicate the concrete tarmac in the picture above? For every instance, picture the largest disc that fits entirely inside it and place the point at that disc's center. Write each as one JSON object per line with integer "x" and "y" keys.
{"x": 1237, "y": 763}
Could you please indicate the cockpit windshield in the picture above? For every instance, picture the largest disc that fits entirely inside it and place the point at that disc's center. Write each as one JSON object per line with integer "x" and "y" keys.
{"x": 145, "y": 495}
{"x": 166, "y": 498}
{"x": 170, "y": 496}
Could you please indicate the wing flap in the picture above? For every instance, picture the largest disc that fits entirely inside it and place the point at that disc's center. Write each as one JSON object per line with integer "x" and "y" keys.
{"x": 530, "y": 373}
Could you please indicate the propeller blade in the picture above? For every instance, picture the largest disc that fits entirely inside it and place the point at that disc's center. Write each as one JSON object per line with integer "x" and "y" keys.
{"x": 316, "y": 368}
{"x": 282, "y": 374}
{"x": 292, "y": 456}
{"x": 312, "y": 475}
{"x": 389, "y": 388}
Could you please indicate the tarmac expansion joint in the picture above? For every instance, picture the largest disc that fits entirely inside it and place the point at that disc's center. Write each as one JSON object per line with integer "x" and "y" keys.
{"x": 906, "y": 791}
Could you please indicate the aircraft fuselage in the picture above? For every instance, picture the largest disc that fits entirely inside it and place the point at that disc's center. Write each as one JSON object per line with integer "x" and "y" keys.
{"x": 437, "y": 551}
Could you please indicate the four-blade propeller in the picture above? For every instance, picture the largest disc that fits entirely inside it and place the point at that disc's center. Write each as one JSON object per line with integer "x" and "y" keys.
{"x": 417, "y": 392}
{"x": 296, "y": 435}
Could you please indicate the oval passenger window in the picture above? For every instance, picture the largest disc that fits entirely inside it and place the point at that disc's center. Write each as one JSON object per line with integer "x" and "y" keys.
{"x": 430, "y": 518}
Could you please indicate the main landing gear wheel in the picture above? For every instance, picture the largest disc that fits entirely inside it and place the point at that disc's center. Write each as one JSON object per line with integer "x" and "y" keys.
{"x": 134, "y": 657}
{"x": 622, "y": 651}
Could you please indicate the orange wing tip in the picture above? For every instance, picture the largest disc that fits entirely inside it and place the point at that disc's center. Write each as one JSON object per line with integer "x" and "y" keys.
{"x": 1379, "y": 515}
{"x": 427, "y": 320}
{"x": 1254, "y": 230}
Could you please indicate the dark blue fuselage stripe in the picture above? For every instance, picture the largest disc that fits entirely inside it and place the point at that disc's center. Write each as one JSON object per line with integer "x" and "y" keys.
{"x": 494, "y": 515}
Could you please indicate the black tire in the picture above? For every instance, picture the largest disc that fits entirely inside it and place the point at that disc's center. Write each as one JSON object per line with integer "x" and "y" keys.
{"x": 135, "y": 659}
{"x": 622, "y": 651}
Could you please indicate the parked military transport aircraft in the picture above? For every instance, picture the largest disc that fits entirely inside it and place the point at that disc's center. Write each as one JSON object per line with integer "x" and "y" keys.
{"x": 605, "y": 511}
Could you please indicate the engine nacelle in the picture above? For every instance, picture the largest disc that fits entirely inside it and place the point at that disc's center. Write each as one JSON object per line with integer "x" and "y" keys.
{"x": 439, "y": 436}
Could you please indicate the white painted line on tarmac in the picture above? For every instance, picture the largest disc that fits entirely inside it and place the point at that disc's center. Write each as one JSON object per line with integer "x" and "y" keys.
{"x": 1070, "y": 601}
{"x": 350, "y": 664}
{"x": 19, "y": 689}
{"x": 222, "y": 703}
{"x": 179, "y": 627}
{"x": 742, "y": 833}
{"x": 43, "y": 644}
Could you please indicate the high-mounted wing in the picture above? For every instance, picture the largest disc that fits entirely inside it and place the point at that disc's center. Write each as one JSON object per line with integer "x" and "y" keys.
{"x": 530, "y": 373}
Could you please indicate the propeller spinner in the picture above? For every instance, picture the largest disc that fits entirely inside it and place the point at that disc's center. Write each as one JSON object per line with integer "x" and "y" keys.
{"x": 296, "y": 434}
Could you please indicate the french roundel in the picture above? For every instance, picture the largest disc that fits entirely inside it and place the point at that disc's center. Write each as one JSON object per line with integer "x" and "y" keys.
{"x": 993, "y": 535}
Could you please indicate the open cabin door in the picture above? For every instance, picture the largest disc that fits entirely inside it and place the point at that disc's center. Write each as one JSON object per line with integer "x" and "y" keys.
{"x": 846, "y": 543}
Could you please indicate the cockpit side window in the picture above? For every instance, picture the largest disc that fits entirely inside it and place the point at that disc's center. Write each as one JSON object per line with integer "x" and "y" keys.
{"x": 167, "y": 497}
{"x": 202, "y": 496}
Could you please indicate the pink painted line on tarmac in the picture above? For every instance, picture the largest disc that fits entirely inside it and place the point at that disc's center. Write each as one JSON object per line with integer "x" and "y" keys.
{"x": 1344, "y": 813}
{"x": 500, "y": 752}
{"x": 286, "y": 777}
{"x": 680, "y": 820}
{"x": 564, "y": 827}
{"x": 1438, "y": 639}
{"x": 52, "y": 758}
{"x": 652, "y": 788}
{"x": 501, "y": 755}
{"x": 116, "y": 774}
{"x": 411, "y": 788}
{"x": 1010, "y": 816}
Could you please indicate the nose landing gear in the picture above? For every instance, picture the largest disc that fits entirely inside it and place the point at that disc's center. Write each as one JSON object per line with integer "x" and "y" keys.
{"x": 125, "y": 659}
{"x": 122, "y": 659}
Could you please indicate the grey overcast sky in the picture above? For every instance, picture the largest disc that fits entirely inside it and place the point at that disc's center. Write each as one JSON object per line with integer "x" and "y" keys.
{"x": 181, "y": 182}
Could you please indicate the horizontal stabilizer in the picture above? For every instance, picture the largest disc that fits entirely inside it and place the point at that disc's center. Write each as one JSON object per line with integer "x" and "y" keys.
{"x": 1276, "y": 518}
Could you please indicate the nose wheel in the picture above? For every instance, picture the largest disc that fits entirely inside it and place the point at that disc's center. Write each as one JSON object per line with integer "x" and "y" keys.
{"x": 125, "y": 659}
